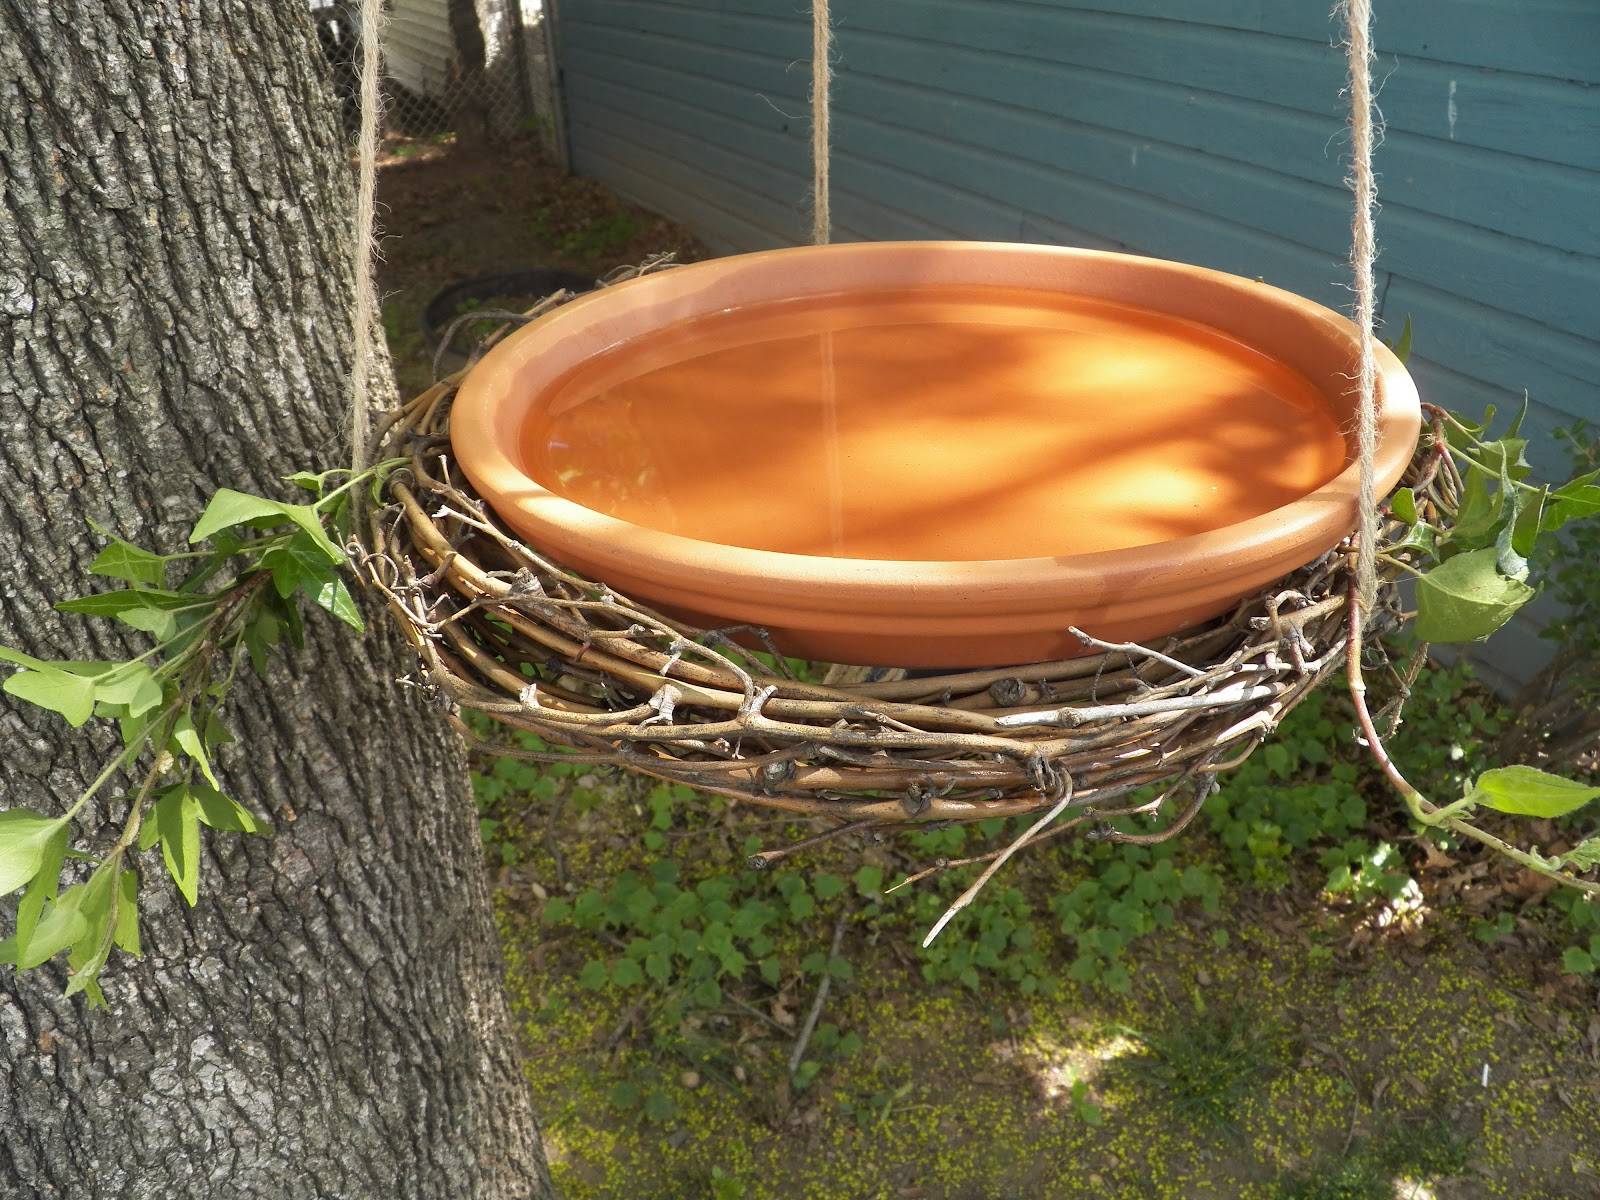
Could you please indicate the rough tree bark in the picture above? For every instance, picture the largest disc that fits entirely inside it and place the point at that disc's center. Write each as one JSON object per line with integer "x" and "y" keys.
{"x": 471, "y": 55}
{"x": 174, "y": 300}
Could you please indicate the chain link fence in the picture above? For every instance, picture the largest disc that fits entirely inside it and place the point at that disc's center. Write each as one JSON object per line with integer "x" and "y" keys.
{"x": 475, "y": 71}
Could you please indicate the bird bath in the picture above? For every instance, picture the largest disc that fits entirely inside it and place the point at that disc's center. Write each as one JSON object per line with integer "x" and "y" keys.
{"x": 931, "y": 454}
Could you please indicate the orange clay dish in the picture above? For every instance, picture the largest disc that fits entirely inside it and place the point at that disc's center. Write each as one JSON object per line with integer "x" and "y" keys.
{"x": 931, "y": 454}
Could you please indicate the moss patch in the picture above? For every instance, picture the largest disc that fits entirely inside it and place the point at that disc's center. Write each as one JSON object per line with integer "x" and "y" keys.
{"x": 1334, "y": 1072}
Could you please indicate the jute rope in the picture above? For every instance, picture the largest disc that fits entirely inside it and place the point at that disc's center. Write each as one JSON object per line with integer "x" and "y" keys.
{"x": 365, "y": 318}
{"x": 1363, "y": 252}
{"x": 821, "y": 76}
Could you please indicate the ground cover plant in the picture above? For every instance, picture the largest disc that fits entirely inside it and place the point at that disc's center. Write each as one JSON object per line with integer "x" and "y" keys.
{"x": 1190, "y": 1019}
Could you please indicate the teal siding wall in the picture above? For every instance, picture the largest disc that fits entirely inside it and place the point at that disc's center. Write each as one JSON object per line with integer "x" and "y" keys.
{"x": 1204, "y": 130}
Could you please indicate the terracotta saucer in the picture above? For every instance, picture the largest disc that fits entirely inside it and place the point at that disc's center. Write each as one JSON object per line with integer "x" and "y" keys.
{"x": 521, "y": 432}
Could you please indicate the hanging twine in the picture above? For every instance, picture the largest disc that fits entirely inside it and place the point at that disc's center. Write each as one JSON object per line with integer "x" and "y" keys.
{"x": 1363, "y": 252}
{"x": 364, "y": 320}
{"x": 821, "y": 74}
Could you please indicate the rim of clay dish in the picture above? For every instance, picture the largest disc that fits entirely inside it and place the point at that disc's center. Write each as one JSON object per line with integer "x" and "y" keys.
{"x": 494, "y": 400}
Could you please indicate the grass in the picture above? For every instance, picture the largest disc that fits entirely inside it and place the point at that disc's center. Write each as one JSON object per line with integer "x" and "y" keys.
{"x": 1411, "y": 1160}
{"x": 1205, "y": 1066}
{"x": 1342, "y": 1074}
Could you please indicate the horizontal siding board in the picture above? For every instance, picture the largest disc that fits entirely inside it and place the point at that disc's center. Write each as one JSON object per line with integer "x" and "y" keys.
{"x": 1548, "y": 38}
{"x": 1529, "y": 278}
{"x": 418, "y": 48}
{"x": 1297, "y": 75}
{"x": 760, "y": 74}
{"x": 626, "y": 88}
{"x": 1133, "y": 220}
{"x": 1542, "y": 37}
{"x": 1476, "y": 107}
{"x": 765, "y": 198}
{"x": 643, "y": 174}
{"x": 1477, "y": 187}
{"x": 1524, "y": 277}
{"x": 1502, "y": 351}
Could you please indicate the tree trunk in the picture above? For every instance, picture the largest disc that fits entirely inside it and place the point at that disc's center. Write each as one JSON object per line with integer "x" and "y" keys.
{"x": 174, "y": 316}
{"x": 472, "y": 108}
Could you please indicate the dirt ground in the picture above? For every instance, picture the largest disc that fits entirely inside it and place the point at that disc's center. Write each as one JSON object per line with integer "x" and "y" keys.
{"x": 449, "y": 215}
{"x": 1285, "y": 1046}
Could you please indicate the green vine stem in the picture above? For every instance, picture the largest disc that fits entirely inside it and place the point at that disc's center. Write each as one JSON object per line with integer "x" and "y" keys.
{"x": 1422, "y": 809}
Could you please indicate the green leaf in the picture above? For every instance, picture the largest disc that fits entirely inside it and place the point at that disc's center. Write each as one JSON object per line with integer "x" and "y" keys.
{"x": 626, "y": 973}
{"x": 1421, "y": 536}
{"x": 1511, "y": 564}
{"x": 869, "y": 880}
{"x": 1506, "y": 457}
{"x": 827, "y": 886}
{"x": 260, "y": 636}
{"x": 223, "y": 812}
{"x": 707, "y": 993}
{"x": 134, "y": 686}
{"x": 159, "y": 625}
{"x": 594, "y": 975}
{"x": 46, "y": 881}
{"x": 1462, "y": 433}
{"x": 1479, "y": 514}
{"x": 25, "y": 839}
{"x": 125, "y": 933}
{"x": 177, "y": 819}
{"x": 186, "y": 739}
{"x": 1575, "y": 500}
{"x": 1402, "y": 344}
{"x": 1530, "y": 520}
{"x": 1584, "y": 855}
{"x": 114, "y": 604}
{"x": 659, "y": 1107}
{"x": 99, "y": 911}
{"x": 1466, "y": 599}
{"x": 229, "y": 508}
{"x": 123, "y": 560}
{"x": 1575, "y": 960}
{"x": 1404, "y": 505}
{"x": 59, "y": 691}
{"x": 23, "y": 660}
{"x": 1530, "y": 792}
{"x": 310, "y": 521}
{"x": 294, "y": 625}
{"x": 1522, "y": 415}
{"x": 307, "y": 480}
{"x": 61, "y": 926}
{"x": 297, "y": 564}
{"x": 335, "y": 597}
